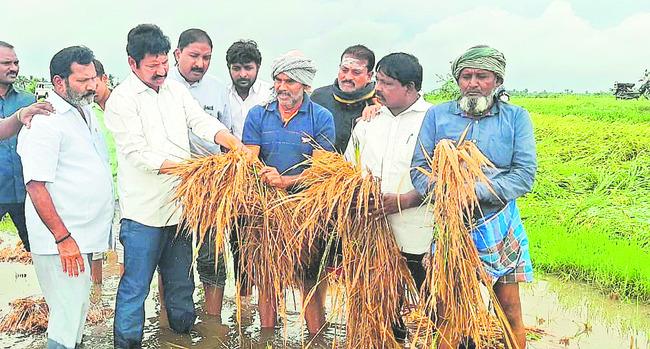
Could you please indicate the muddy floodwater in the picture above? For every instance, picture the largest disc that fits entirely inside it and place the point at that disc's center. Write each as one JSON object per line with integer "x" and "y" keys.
{"x": 563, "y": 314}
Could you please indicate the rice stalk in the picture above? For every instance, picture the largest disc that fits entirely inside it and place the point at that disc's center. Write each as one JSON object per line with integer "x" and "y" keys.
{"x": 16, "y": 254}
{"x": 337, "y": 197}
{"x": 455, "y": 271}
{"x": 30, "y": 316}
{"x": 223, "y": 193}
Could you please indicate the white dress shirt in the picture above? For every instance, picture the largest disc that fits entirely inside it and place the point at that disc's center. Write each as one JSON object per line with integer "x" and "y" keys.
{"x": 69, "y": 154}
{"x": 212, "y": 95}
{"x": 258, "y": 94}
{"x": 386, "y": 145}
{"x": 150, "y": 128}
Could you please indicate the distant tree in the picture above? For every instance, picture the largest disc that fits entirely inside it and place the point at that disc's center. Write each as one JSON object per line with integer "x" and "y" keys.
{"x": 448, "y": 89}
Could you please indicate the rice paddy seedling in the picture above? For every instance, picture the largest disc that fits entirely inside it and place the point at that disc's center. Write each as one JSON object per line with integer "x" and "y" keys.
{"x": 455, "y": 272}
{"x": 337, "y": 197}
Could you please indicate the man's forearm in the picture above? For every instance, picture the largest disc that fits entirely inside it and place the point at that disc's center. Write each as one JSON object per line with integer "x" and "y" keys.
{"x": 290, "y": 181}
{"x": 45, "y": 208}
{"x": 167, "y": 166}
{"x": 10, "y": 126}
{"x": 227, "y": 139}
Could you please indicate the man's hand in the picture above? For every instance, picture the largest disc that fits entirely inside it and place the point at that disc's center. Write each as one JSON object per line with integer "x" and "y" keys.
{"x": 370, "y": 111}
{"x": 389, "y": 205}
{"x": 272, "y": 177}
{"x": 71, "y": 259}
{"x": 26, "y": 114}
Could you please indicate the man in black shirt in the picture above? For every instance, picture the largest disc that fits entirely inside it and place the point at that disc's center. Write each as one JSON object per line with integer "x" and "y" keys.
{"x": 350, "y": 93}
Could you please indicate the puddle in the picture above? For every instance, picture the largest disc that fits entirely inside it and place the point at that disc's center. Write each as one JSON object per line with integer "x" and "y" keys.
{"x": 571, "y": 315}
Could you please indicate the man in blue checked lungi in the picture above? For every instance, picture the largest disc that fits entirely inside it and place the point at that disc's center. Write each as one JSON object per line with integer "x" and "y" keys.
{"x": 504, "y": 134}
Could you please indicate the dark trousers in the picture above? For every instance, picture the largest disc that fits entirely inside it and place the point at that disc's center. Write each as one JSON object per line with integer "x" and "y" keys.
{"x": 145, "y": 248}
{"x": 17, "y": 213}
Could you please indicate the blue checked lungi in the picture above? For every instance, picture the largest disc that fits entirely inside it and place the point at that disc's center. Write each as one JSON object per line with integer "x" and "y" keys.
{"x": 502, "y": 246}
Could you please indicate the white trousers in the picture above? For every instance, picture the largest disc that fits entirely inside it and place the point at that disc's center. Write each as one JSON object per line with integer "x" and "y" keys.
{"x": 67, "y": 298}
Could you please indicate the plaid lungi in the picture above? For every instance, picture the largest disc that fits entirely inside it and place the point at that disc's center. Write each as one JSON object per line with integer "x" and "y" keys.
{"x": 502, "y": 245}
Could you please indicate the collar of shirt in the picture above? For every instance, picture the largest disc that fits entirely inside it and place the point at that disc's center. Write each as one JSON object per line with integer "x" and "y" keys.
{"x": 255, "y": 89}
{"x": 454, "y": 108}
{"x": 10, "y": 90}
{"x": 304, "y": 107}
{"x": 180, "y": 78}
{"x": 137, "y": 86}
{"x": 62, "y": 106}
{"x": 420, "y": 105}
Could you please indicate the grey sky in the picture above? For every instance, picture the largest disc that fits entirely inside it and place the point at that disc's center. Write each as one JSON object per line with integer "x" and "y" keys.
{"x": 552, "y": 45}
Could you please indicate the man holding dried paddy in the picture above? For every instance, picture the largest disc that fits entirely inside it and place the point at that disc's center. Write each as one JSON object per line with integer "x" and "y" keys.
{"x": 282, "y": 133}
{"x": 150, "y": 118}
{"x": 504, "y": 134}
{"x": 385, "y": 146}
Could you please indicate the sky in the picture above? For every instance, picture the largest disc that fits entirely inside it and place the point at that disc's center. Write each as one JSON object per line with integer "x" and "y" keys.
{"x": 579, "y": 45}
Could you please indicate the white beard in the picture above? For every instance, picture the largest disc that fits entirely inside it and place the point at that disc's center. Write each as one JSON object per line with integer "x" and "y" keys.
{"x": 476, "y": 105}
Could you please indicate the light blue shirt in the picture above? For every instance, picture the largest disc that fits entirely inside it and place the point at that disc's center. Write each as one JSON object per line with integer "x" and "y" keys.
{"x": 504, "y": 136}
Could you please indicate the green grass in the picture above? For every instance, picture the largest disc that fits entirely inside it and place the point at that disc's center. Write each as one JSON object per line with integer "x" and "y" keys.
{"x": 588, "y": 216}
{"x": 6, "y": 225}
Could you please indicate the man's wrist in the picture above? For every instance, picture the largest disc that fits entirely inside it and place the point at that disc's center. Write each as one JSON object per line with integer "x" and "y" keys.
{"x": 18, "y": 115}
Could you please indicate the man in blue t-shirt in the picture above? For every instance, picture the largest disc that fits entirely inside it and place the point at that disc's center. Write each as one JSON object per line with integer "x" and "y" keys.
{"x": 282, "y": 133}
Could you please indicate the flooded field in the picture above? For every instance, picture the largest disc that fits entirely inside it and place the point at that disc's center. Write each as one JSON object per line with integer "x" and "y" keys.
{"x": 564, "y": 314}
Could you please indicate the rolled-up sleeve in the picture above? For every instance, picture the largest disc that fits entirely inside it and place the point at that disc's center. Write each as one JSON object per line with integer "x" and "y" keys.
{"x": 423, "y": 151}
{"x": 123, "y": 121}
{"x": 201, "y": 123}
{"x": 38, "y": 147}
{"x": 519, "y": 179}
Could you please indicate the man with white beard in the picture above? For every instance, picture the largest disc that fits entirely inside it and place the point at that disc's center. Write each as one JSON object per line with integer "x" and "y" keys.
{"x": 504, "y": 134}
{"x": 69, "y": 206}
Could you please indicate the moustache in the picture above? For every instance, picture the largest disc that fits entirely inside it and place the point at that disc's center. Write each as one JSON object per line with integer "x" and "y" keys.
{"x": 198, "y": 70}
{"x": 347, "y": 82}
{"x": 15, "y": 73}
{"x": 156, "y": 77}
{"x": 241, "y": 80}
{"x": 90, "y": 94}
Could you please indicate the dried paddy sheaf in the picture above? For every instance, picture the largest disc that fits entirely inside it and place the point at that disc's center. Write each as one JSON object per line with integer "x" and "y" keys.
{"x": 30, "y": 315}
{"x": 224, "y": 193}
{"x": 16, "y": 254}
{"x": 455, "y": 272}
{"x": 338, "y": 196}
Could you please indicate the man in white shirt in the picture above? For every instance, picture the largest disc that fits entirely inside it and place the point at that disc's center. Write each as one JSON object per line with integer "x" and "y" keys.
{"x": 70, "y": 203}
{"x": 245, "y": 91}
{"x": 193, "y": 56}
{"x": 150, "y": 118}
{"x": 386, "y": 145}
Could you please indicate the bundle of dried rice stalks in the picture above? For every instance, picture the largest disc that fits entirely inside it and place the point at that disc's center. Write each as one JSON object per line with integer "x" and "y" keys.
{"x": 338, "y": 196}
{"x": 16, "y": 254}
{"x": 30, "y": 315}
{"x": 223, "y": 193}
{"x": 455, "y": 298}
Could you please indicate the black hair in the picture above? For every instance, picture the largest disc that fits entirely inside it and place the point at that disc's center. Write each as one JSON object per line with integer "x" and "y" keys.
{"x": 62, "y": 60}
{"x": 6, "y": 44}
{"x": 99, "y": 68}
{"x": 191, "y": 36}
{"x": 363, "y": 53}
{"x": 402, "y": 67}
{"x": 146, "y": 39}
{"x": 242, "y": 52}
